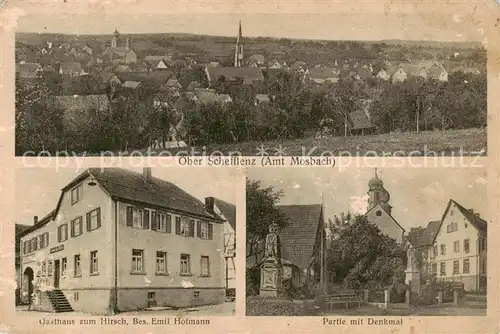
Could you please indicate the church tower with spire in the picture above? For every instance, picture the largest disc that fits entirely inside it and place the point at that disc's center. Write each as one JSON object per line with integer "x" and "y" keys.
{"x": 377, "y": 194}
{"x": 114, "y": 39}
{"x": 238, "y": 52}
{"x": 380, "y": 212}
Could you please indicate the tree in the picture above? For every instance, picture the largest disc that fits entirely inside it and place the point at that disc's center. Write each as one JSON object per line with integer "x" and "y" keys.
{"x": 261, "y": 212}
{"x": 361, "y": 256}
{"x": 38, "y": 127}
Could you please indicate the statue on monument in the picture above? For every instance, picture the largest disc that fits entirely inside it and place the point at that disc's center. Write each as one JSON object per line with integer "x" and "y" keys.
{"x": 272, "y": 243}
{"x": 411, "y": 259}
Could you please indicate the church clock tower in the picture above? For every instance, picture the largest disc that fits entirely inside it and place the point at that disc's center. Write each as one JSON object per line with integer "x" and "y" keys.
{"x": 378, "y": 194}
{"x": 238, "y": 52}
{"x": 114, "y": 39}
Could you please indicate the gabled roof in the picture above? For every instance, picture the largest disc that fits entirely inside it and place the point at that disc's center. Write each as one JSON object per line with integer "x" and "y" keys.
{"x": 228, "y": 210}
{"x": 476, "y": 221}
{"x": 82, "y": 102}
{"x": 428, "y": 235}
{"x": 28, "y": 70}
{"x": 231, "y": 73}
{"x": 262, "y": 97}
{"x": 70, "y": 67}
{"x": 299, "y": 237}
{"x": 129, "y": 186}
{"x": 42, "y": 222}
{"x": 131, "y": 84}
{"x": 323, "y": 73}
{"x": 155, "y": 76}
{"x": 382, "y": 208}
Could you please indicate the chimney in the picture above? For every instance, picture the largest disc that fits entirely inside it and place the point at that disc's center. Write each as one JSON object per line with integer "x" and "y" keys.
{"x": 209, "y": 204}
{"x": 477, "y": 215}
{"x": 35, "y": 220}
{"x": 146, "y": 173}
{"x": 471, "y": 211}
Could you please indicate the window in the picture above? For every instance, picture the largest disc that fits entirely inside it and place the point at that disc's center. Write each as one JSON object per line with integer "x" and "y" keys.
{"x": 64, "y": 265}
{"x": 442, "y": 269}
{"x": 137, "y": 216}
{"x": 41, "y": 241}
{"x": 434, "y": 268}
{"x": 76, "y": 296}
{"x": 94, "y": 263}
{"x": 163, "y": 222}
{"x": 44, "y": 268}
{"x": 76, "y": 194}
{"x": 483, "y": 266}
{"x": 50, "y": 268}
{"x": 456, "y": 246}
{"x": 94, "y": 219}
{"x": 62, "y": 233}
{"x": 205, "y": 266}
{"x": 161, "y": 262}
{"x": 196, "y": 294}
{"x": 137, "y": 261}
{"x": 185, "y": 227}
{"x": 466, "y": 245}
{"x": 443, "y": 249}
{"x": 185, "y": 265}
{"x": 203, "y": 230}
{"x": 452, "y": 227}
{"x": 451, "y": 213}
{"x": 151, "y": 295}
{"x": 33, "y": 245}
{"x": 466, "y": 265}
{"x": 456, "y": 267}
{"x": 76, "y": 227}
{"x": 25, "y": 247}
{"x": 378, "y": 213}
{"x": 482, "y": 244}
{"x": 78, "y": 268}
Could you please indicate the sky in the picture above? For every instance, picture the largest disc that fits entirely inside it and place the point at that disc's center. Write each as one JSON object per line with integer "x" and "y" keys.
{"x": 349, "y": 25}
{"x": 37, "y": 190}
{"x": 418, "y": 195}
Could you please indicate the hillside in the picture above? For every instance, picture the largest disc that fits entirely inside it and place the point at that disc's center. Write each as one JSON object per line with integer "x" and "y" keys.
{"x": 444, "y": 143}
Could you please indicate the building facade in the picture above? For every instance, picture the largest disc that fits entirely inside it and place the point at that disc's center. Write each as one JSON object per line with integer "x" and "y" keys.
{"x": 457, "y": 251}
{"x": 119, "y": 241}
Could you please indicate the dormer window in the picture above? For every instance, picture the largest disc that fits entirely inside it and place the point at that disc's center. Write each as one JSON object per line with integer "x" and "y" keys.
{"x": 76, "y": 194}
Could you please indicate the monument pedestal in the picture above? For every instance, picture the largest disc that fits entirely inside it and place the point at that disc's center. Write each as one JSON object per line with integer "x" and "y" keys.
{"x": 271, "y": 274}
{"x": 412, "y": 278}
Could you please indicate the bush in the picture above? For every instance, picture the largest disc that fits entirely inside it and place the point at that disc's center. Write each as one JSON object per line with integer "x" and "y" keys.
{"x": 252, "y": 281}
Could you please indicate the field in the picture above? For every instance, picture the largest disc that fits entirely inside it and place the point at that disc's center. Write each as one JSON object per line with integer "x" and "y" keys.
{"x": 444, "y": 143}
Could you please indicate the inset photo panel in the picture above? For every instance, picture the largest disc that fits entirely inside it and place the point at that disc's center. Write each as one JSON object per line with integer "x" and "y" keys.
{"x": 152, "y": 242}
{"x": 366, "y": 242}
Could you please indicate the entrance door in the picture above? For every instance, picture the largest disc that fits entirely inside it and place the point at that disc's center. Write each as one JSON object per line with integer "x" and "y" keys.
{"x": 57, "y": 273}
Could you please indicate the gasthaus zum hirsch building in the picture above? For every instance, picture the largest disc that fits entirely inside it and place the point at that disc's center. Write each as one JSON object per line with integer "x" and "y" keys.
{"x": 118, "y": 240}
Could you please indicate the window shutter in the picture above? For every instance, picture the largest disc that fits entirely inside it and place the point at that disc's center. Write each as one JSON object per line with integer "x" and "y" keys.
{"x": 191, "y": 228}
{"x": 146, "y": 219}
{"x": 47, "y": 239}
{"x": 129, "y": 216}
{"x": 169, "y": 224}
{"x": 66, "y": 232}
{"x": 72, "y": 228}
{"x": 177, "y": 226}
{"x": 88, "y": 221}
{"x": 198, "y": 229}
{"x": 210, "y": 231}
{"x": 98, "y": 217}
{"x": 59, "y": 234}
{"x": 154, "y": 221}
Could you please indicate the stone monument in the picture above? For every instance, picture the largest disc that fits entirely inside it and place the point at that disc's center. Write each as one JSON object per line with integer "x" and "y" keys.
{"x": 271, "y": 271}
{"x": 412, "y": 274}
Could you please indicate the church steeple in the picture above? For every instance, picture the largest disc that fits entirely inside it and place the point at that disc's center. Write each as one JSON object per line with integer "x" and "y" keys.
{"x": 378, "y": 194}
{"x": 114, "y": 39}
{"x": 238, "y": 52}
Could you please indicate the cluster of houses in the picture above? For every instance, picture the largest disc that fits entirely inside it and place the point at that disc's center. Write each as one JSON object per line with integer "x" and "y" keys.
{"x": 119, "y": 67}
